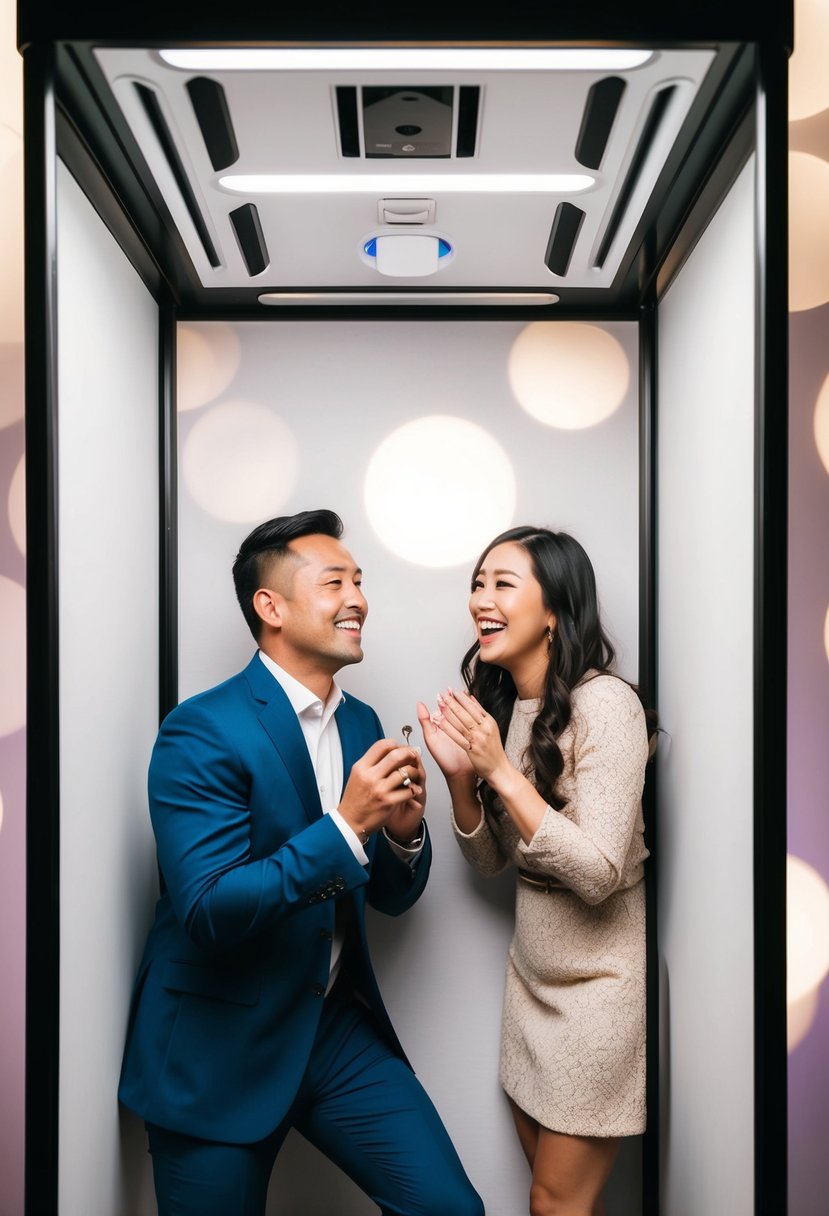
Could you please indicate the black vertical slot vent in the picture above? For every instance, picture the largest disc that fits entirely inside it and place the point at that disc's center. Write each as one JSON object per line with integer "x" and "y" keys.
{"x": 162, "y": 132}
{"x": 597, "y": 121}
{"x": 469, "y": 100}
{"x": 246, "y": 225}
{"x": 646, "y": 139}
{"x": 563, "y": 234}
{"x": 213, "y": 116}
{"x": 347, "y": 119}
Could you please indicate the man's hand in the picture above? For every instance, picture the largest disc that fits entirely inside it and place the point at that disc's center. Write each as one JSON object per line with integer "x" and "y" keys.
{"x": 377, "y": 794}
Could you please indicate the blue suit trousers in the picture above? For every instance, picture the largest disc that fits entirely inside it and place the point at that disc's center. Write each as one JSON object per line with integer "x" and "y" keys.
{"x": 359, "y": 1104}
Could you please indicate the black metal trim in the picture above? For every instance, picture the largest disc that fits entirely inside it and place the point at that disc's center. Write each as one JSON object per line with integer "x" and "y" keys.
{"x": 43, "y": 736}
{"x": 213, "y": 116}
{"x": 648, "y": 686}
{"x": 770, "y": 632}
{"x": 597, "y": 121}
{"x": 469, "y": 101}
{"x": 655, "y": 115}
{"x": 158, "y": 122}
{"x": 564, "y": 233}
{"x": 167, "y": 514}
{"x": 347, "y": 120}
{"x": 250, "y": 237}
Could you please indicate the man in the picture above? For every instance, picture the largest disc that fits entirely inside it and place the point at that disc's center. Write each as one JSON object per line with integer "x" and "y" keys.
{"x": 279, "y": 809}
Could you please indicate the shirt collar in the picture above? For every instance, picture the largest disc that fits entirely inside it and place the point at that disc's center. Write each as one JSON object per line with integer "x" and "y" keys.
{"x": 301, "y": 698}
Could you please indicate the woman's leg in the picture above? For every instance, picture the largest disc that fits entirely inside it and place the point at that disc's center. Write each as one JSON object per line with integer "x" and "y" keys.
{"x": 569, "y": 1172}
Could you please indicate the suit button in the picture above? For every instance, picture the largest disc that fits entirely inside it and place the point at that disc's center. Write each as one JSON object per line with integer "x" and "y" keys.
{"x": 318, "y": 989}
{"x": 326, "y": 936}
{"x": 338, "y": 884}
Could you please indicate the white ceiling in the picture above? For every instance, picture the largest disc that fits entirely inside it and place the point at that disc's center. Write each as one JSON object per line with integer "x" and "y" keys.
{"x": 285, "y": 122}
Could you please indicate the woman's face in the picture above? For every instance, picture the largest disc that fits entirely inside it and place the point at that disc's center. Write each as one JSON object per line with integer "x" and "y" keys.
{"x": 508, "y": 610}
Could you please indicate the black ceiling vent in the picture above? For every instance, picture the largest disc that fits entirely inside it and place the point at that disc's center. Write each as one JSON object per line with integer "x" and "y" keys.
{"x": 597, "y": 121}
{"x": 246, "y": 225}
{"x": 347, "y": 118}
{"x": 158, "y": 122}
{"x": 469, "y": 101}
{"x": 213, "y": 116}
{"x": 646, "y": 140}
{"x": 563, "y": 234}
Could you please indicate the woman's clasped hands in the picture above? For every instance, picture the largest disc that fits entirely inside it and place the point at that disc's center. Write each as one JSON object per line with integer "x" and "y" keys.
{"x": 462, "y": 736}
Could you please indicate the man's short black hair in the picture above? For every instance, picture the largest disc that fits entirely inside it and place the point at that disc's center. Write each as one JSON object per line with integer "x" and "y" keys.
{"x": 269, "y": 540}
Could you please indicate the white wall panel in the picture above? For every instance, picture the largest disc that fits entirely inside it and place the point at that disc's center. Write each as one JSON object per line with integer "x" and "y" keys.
{"x": 340, "y": 389}
{"x": 108, "y": 637}
{"x": 705, "y": 792}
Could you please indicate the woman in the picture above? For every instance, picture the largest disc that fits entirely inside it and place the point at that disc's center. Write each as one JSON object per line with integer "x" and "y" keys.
{"x": 544, "y": 756}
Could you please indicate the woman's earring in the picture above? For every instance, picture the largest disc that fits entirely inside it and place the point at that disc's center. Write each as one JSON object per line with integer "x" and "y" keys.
{"x": 549, "y": 635}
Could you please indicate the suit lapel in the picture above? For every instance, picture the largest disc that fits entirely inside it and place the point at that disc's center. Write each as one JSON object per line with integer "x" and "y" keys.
{"x": 279, "y": 720}
{"x": 352, "y": 739}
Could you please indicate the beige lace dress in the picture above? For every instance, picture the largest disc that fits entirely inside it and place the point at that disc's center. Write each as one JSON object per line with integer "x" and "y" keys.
{"x": 573, "y": 1037}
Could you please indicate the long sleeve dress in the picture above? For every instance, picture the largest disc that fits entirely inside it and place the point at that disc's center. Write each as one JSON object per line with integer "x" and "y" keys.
{"x": 573, "y": 1034}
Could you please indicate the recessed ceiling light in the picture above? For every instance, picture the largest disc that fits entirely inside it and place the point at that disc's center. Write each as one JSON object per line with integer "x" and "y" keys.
{"x": 401, "y": 59}
{"x": 364, "y": 183}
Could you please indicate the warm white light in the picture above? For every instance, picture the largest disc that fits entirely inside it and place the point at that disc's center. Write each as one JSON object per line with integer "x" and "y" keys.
{"x": 405, "y": 59}
{"x": 11, "y": 247}
{"x": 12, "y": 656}
{"x": 808, "y": 78}
{"x": 438, "y": 489}
{"x": 821, "y": 423}
{"x": 807, "y": 935}
{"x": 569, "y": 374}
{"x": 408, "y": 297}
{"x": 17, "y": 505}
{"x": 207, "y": 359}
{"x": 808, "y": 231}
{"x": 240, "y": 462}
{"x": 12, "y": 395}
{"x": 11, "y": 69}
{"x": 390, "y": 183}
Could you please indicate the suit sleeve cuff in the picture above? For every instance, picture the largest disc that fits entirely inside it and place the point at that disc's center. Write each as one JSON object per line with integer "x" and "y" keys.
{"x": 350, "y": 836}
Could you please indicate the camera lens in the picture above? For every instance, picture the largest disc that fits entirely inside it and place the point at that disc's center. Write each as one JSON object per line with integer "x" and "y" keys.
{"x": 408, "y": 129}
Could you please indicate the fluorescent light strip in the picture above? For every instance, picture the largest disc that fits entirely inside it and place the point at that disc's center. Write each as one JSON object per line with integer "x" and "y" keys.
{"x": 438, "y": 183}
{"x": 408, "y": 297}
{"x": 403, "y": 59}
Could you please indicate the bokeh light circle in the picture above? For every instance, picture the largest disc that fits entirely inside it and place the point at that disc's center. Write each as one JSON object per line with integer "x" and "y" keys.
{"x": 821, "y": 423}
{"x": 568, "y": 375}
{"x": 438, "y": 489}
{"x": 11, "y": 248}
{"x": 240, "y": 462}
{"x": 807, "y": 937}
{"x": 808, "y": 78}
{"x": 17, "y": 505}
{"x": 207, "y": 359}
{"x": 808, "y": 231}
{"x": 800, "y": 1016}
{"x": 12, "y": 656}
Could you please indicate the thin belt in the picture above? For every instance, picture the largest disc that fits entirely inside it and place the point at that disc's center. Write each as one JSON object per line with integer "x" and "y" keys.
{"x": 541, "y": 881}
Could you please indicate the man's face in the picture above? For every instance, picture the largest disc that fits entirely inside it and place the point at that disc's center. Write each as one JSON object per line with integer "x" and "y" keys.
{"x": 321, "y": 606}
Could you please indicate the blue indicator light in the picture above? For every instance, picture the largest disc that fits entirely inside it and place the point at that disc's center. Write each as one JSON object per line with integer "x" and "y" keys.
{"x": 371, "y": 247}
{"x": 443, "y": 248}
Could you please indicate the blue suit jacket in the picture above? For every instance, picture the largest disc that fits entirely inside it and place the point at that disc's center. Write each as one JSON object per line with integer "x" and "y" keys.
{"x": 229, "y": 991}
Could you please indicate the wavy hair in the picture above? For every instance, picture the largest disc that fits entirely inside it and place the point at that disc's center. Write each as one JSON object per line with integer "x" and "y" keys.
{"x": 568, "y": 588}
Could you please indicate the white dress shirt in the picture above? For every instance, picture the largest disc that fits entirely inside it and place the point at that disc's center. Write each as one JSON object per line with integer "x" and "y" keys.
{"x": 322, "y": 738}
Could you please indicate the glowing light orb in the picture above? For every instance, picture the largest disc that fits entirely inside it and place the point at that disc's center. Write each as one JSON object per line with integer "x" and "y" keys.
{"x": 12, "y": 395}
{"x": 808, "y": 80}
{"x": 240, "y": 462}
{"x": 808, "y": 231}
{"x": 17, "y": 506}
{"x": 807, "y": 940}
{"x": 438, "y": 489}
{"x": 800, "y": 1016}
{"x": 207, "y": 359}
{"x": 821, "y": 423}
{"x": 12, "y": 656}
{"x": 568, "y": 375}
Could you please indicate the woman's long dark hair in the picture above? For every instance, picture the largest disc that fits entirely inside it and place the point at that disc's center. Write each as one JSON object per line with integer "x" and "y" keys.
{"x": 580, "y": 644}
